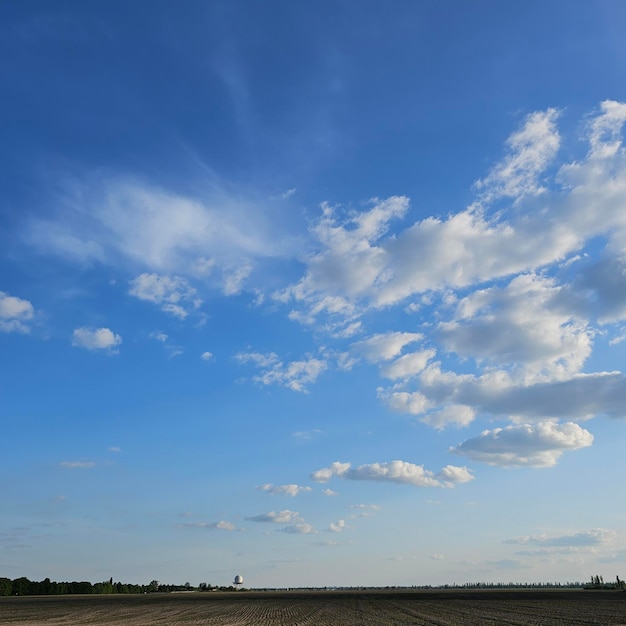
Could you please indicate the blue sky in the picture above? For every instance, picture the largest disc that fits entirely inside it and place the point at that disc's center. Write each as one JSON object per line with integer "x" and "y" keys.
{"x": 319, "y": 293}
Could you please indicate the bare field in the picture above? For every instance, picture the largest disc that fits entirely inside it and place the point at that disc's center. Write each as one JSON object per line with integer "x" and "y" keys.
{"x": 324, "y": 608}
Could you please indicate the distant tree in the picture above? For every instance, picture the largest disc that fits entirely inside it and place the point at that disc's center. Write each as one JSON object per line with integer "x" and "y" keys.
{"x": 6, "y": 586}
{"x": 21, "y": 586}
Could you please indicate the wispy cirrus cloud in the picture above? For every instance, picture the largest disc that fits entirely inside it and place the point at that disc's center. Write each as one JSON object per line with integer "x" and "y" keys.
{"x": 583, "y": 539}
{"x": 130, "y": 222}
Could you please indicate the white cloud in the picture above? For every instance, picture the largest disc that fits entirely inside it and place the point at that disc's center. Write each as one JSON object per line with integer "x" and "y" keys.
{"x": 588, "y": 538}
{"x": 96, "y": 339}
{"x": 78, "y": 464}
{"x": 358, "y": 264}
{"x": 338, "y": 526}
{"x": 408, "y": 365}
{"x": 539, "y": 445}
{"x": 498, "y": 394}
{"x": 532, "y": 149}
{"x": 301, "y": 528}
{"x": 15, "y": 313}
{"x": 365, "y": 507}
{"x": 221, "y": 525}
{"x": 528, "y": 324}
{"x": 173, "y": 295}
{"x": 295, "y": 375}
{"x": 116, "y": 449}
{"x": 384, "y": 347}
{"x": 206, "y": 356}
{"x": 605, "y": 130}
{"x": 453, "y": 415}
{"x": 400, "y": 472}
{"x": 284, "y": 490}
{"x": 159, "y": 336}
{"x": 277, "y": 517}
{"x": 133, "y": 223}
{"x": 437, "y": 557}
{"x": 306, "y": 435}
{"x": 329, "y": 492}
{"x": 414, "y": 403}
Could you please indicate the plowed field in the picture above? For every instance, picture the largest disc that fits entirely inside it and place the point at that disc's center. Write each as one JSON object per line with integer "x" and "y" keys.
{"x": 324, "y": 608}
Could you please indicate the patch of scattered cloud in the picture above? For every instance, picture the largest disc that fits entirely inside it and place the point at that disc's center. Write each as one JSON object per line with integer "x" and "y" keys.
{"x": 172, "y": 294}
{"x": 277, "y": 517}
{"x": 302, "y": 528}
{"x": 291, "y": 489}
{"x": 294, "y": 375}
{"x": 338, "y": 527}
{"x": 401, "y": 472}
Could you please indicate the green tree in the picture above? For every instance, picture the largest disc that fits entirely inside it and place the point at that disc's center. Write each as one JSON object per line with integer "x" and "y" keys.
{"x": 6, "y": 586}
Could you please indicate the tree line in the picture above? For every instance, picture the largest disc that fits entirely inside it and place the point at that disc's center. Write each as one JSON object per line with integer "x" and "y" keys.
{"x": 24, "y": 587}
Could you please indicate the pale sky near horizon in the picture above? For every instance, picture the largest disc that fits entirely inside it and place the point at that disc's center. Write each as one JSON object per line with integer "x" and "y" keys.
{"x": 319, "y": 293}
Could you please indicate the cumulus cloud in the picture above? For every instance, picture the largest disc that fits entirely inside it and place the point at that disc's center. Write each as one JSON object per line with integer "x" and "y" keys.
{"x": 96, "y": 339}
{"x": 206, "y": 356}
{"x": 529, "y": 323}
{"x": 284, "y": 490}
{"x": 496, "y": 393}
{"x": 400, "y": 472}
{"x": 172, "y": 294}
{"x": 358, "y": 264}
{"x": 15, "y": 314}
{"x": 295, "y": 375}
{"x": 539, "y": 445}
{"x": 338, "y": 526}
{"x": 277, "y": 517}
